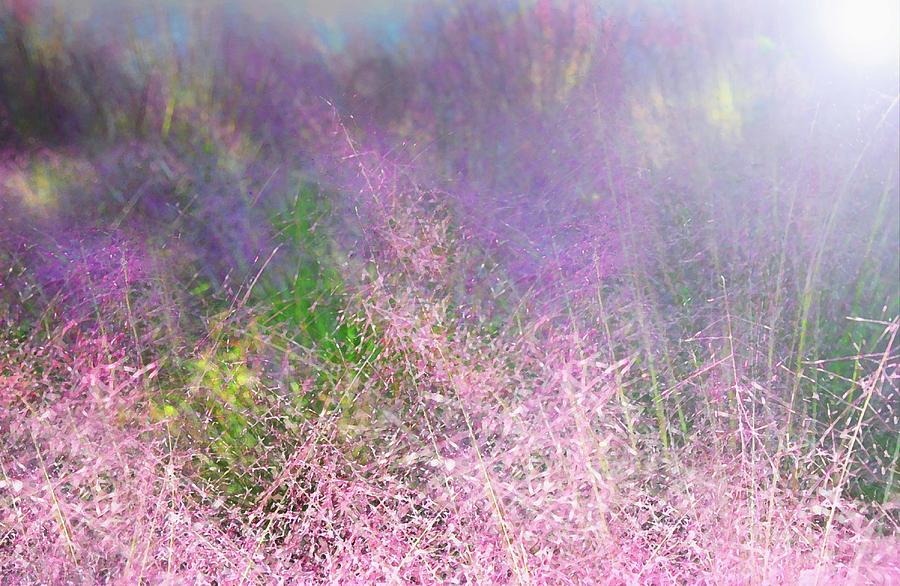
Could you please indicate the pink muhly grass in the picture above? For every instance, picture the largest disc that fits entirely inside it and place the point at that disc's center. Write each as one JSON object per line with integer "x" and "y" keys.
{"x": 587, "y": 332}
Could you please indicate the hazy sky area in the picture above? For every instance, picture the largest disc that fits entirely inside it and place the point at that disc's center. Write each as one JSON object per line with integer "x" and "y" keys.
{"x": 384, "y": 17}
{"x": 339, "y": 10}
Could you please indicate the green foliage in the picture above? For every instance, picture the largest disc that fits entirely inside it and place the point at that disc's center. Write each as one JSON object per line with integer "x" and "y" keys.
{"x": 307, "y": 302}
{"x": 308, "y": 306}
{"x": 221, "y": 401}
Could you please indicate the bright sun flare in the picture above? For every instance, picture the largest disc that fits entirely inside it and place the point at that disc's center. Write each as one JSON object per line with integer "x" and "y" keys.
{"x": 865, "y": 32}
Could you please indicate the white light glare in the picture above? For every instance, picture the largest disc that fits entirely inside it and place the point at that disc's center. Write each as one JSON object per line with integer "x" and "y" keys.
{"x": 865, "y": 32}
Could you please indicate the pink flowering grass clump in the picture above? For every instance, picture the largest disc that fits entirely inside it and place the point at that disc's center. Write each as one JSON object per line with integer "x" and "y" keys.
{"x": 546, "y": 293}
